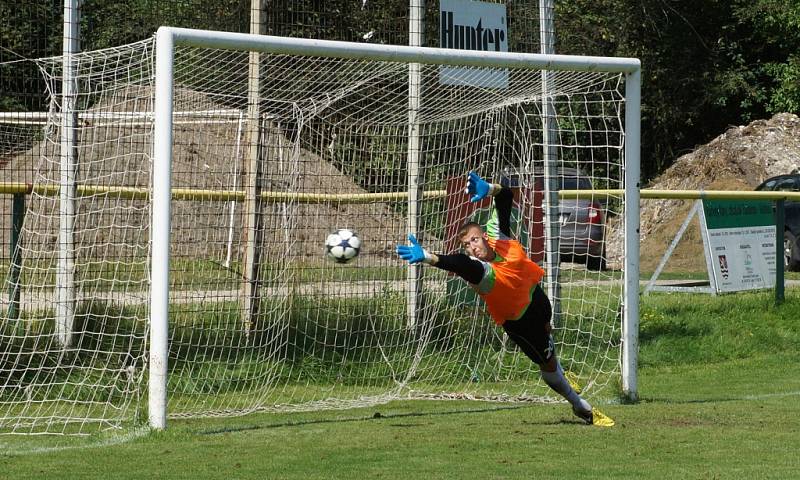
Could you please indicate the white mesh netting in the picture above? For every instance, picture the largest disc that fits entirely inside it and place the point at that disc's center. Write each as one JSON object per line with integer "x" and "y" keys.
{"x": 334, "y": 138}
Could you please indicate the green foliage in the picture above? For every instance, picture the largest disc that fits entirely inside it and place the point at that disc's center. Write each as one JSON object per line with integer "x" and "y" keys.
{"x": 27, "y": 30}
{"x": 139, "y": 19}
{"x": 786, "y": 77}
{"x": 706, "y": 65}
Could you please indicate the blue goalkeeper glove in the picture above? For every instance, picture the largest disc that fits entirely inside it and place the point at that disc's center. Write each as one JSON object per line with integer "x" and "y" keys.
{"x": 477, "y": 187}
{"x": 414, "y": 253}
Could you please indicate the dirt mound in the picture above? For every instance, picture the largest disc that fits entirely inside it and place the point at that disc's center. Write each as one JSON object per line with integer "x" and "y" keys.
{"x": 207, "y": 156}
{"x": 739, "y": 159}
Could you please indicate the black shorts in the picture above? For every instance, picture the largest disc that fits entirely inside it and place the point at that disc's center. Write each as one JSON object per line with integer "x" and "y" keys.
{"x": 531, "y": 331}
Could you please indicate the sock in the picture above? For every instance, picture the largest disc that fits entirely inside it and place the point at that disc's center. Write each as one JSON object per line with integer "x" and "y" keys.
{"x": 559, "y": 383}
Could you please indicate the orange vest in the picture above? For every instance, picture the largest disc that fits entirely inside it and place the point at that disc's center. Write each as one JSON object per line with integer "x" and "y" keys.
{"x": 516, "y": 276}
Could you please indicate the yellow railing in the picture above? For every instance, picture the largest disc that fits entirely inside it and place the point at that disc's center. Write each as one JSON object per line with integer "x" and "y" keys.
{"x": 136, "y": 193}
{"x": 683, "y": 194}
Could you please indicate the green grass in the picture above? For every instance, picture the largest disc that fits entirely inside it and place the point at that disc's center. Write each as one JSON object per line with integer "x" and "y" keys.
{"x": 719, "y": 384}
{"x": 322, "y": 341}
{"x": 699, "y": 329}
{"x": 718, "y": 433}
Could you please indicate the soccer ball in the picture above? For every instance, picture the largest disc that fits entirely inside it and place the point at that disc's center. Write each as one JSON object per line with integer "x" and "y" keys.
{"x": 342, "y": 245}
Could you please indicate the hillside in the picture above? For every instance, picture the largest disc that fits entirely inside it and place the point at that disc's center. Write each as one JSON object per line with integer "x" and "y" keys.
{"x": 739, "y": 159}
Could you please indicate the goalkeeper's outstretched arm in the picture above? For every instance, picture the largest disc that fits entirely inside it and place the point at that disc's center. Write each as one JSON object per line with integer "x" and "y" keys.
{"x": 469, "y": 268}
{"x": 464, "y": 266}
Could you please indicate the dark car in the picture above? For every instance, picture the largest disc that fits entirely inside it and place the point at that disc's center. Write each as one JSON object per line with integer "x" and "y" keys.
{"x": 791, "y": 231}
{"x": 582, "y": 223}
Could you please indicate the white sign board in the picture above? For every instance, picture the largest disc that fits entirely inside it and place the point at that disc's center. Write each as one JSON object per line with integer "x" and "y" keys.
{"x": 470, "y": 25}
{"x": 740, "y": 242}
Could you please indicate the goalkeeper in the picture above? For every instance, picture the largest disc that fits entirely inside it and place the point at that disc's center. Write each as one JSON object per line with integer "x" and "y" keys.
{"x": 499, "y": 270}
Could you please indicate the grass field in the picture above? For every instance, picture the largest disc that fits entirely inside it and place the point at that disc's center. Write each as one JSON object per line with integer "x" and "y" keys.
{"x": 719, "y": 381}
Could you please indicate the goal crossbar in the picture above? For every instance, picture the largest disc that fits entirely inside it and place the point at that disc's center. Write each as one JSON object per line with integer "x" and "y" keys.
{"x": 393, "y": 53}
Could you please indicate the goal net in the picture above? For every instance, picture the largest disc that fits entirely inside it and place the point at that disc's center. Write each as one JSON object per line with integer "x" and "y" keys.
{"x": 265, "y": 163}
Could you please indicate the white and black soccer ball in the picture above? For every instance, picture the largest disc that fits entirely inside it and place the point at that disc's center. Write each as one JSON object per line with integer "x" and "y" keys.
{"x": 343, "y": 245}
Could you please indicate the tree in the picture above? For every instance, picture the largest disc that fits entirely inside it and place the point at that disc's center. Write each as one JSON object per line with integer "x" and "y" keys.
{"x": 706, "y": 64}
{"x": 27, "y": 30}
{"x": 763, "y": 52}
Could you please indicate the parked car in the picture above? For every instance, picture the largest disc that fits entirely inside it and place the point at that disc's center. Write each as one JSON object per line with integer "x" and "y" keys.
{"x": 791, "y": 231}
{"x": 582, "y": 223}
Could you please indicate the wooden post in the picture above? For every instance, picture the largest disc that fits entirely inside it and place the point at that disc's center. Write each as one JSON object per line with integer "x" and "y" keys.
{"x": 17, "y": 217}
{"x": 252, "y": 202}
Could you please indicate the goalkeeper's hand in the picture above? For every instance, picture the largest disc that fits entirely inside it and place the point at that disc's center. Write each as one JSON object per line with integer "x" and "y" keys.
{"x": 414, "y": 253}
{"x": 477, "y": 187}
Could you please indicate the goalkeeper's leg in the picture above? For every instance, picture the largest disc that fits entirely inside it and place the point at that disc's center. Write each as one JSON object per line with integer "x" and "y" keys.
{"x": 531, "y": 333}
{"x": 533, "y": 337}
{"x": 553, "y": 375}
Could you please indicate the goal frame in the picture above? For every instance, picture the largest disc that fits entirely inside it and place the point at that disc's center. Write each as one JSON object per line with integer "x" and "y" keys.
{"x": 167, "y": 38}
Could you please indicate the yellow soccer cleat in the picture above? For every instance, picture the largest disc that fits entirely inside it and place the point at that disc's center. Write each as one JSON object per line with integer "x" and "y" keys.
{"x": 594, "y": 417}
{"x": 600, "y": 419}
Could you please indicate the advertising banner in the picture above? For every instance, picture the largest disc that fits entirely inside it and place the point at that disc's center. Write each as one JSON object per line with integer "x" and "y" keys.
{"x": 470, "y": 25}
{"x": 740, "y": 240}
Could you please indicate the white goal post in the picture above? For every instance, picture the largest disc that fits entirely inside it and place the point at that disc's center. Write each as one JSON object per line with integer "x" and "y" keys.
{"x": 169, "y": 38}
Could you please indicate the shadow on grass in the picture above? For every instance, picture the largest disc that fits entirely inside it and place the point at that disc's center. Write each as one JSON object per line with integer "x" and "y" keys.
{"x": 377, "y": 416}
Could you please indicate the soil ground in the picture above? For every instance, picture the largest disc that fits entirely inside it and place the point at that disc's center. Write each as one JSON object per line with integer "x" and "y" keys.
{"x": 739, "y": 159}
